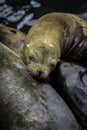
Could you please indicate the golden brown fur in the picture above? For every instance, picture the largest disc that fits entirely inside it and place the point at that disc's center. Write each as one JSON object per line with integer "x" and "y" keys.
{"x": 45, "y": 41}
{"x": 52, "y": 37}
{"x": 12, "y": 38}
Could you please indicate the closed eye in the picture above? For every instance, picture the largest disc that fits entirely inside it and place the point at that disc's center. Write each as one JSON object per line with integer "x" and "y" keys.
{"x": 52, "y": 65}
{"x": 45, "y": 53}
{"x": 31, "y": 58}
{"x": 45, "y": 57}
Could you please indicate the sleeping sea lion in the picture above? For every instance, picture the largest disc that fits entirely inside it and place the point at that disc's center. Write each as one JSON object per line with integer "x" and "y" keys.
{"x": 54, "y": 36}
{"x": 12, "y": 38}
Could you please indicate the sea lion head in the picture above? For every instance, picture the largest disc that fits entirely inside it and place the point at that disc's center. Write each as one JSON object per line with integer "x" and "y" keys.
{"x": 41, "y": 54}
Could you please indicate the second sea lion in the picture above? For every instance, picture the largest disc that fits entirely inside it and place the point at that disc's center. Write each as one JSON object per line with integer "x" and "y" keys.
{"x": 12, "y": 38}
{"x": 52, "y": 37}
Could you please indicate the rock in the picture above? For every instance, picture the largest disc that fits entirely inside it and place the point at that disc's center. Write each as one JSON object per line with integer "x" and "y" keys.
{"x": 25, "y": 104}
{"x": 70, "y": 81}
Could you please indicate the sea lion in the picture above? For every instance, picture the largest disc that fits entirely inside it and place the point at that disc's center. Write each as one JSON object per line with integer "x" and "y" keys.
{"x": 52, "y": 37}
{"x": 12, "y": 38}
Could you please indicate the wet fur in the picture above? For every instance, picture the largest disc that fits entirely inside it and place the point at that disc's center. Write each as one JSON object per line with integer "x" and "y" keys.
{"x": 60, "y": 35}
{"x": 53, "y": 37}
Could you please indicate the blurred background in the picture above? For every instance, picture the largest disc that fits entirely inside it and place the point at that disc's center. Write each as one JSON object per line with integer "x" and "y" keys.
{"x": 22, "y": 14}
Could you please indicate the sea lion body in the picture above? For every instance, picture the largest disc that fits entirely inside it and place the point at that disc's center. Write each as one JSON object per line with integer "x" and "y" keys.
{"x": 54, "y": 36}
{"x": 12, "y": 38}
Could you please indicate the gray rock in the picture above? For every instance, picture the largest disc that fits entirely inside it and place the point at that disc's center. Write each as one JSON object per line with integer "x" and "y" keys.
{"x": 26, "y": 104}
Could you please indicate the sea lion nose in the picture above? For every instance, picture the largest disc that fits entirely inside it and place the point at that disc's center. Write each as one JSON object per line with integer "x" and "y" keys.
{"x": 39, "y": 72}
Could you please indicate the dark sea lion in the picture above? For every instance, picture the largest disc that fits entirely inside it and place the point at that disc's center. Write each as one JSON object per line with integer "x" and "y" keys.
{"x": 26, "y": 104}
{"x": 70, "y": 81}
{"x": 52, "y": 37}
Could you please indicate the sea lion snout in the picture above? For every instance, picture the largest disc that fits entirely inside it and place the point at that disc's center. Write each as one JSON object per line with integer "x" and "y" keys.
{"x": 39, "y": 70}
{"x": 39, "y": 73}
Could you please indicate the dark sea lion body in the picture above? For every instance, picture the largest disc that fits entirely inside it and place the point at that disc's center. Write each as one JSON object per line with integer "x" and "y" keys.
{"x": 26, "y": 104}
{"x": 70, "y": 81}
{"x": 52, "y": 37}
